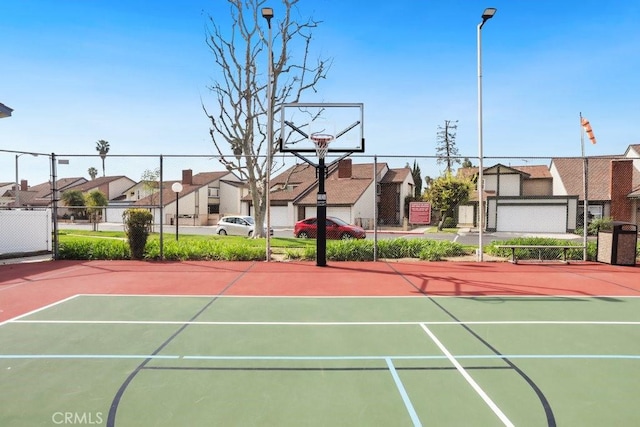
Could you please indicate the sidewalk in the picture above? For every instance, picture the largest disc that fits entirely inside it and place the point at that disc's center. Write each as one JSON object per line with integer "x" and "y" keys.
{"x": 400, "y": 230}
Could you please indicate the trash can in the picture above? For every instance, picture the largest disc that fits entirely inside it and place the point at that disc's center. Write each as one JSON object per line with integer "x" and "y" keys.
{"x": 617, "y": 244}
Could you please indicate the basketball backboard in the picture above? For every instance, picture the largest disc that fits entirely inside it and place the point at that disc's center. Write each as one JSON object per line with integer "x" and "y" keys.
{"x": 343, "y": 121}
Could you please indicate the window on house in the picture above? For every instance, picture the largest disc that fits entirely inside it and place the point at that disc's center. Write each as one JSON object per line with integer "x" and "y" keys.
{"x": 214, "y": 209}
{"x": 596, "y": 211}
{"x": 214, "y": 191}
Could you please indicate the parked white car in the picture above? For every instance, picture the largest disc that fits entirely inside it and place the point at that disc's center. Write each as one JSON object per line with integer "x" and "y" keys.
{"x": 236, "y": 225}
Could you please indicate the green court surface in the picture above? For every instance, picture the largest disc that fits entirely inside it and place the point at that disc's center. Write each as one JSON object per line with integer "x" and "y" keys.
{"x": 323, "y": 361}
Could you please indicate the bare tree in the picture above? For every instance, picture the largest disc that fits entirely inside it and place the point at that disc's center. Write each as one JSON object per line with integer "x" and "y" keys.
{"x": 150, "y": 180}
{"x": 239, "y": 119}
{"x": 446, "y": 149}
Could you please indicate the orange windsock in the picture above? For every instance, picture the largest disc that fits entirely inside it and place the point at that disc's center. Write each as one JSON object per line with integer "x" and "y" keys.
{"x": 588, "y": 130}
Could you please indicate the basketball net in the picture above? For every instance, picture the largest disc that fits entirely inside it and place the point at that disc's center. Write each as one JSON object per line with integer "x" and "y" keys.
{"x": 321, "y": 141}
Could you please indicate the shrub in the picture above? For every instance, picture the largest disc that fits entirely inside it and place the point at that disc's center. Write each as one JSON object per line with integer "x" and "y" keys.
{"x": 350, "y": 250}
{"x": 92, "y": 247}
{"x": 79, "y": 248}
{"x": 137, "y": 225}
{"x": 600, "y": 223}
{"x": 449, "y": 222}
{"x": 532, "y": 253}
{"x": 362, "y": 250}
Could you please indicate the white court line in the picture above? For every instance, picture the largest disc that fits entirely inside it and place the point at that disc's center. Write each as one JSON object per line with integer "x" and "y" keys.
{"x": 354, "y": 323}
{"x": 14, "y": 319}
{"x": 468, "y": 378}
{"x": 403, "y": 393}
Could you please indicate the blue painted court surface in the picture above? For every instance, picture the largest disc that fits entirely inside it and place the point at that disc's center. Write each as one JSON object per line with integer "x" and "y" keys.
{"x": 323, "y": 361}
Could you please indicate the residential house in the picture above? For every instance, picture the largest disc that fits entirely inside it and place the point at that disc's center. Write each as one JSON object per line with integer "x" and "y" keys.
{"x": 37, "y": 196}
{"x": 204, "y": 198}
{"x": 395, "y": 186}
{"x": 139, "y": 190}
{"x": 111, "y": 186}
{"x": 351, "y": 193}
{"x": 520, "y": 199}
{"x": 612, "y": 187}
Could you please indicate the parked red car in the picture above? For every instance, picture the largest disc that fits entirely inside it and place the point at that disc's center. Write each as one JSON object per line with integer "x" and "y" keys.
{"x": 336, "y": 229}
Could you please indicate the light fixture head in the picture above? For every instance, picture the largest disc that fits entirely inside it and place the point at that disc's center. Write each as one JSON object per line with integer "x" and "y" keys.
{"x": 176, "y": 187}
{"x": 5, "y": 111}
{"x": 267, "y": 13}
{"x": 488, "y": 13}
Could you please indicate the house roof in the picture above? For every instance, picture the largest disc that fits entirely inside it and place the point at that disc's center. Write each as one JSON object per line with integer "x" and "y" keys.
{"x": 635, "y": 193}
{"x": 396, "y": 176}
{"x": 40, "y": 194}
{"x": 634, "y": 147}
{"x": 535, "y": 171}
{"x": 299, "y": 184}
{"x": 292, "y": 183}
{"x": 571, "y": 173}
{"x": 344, "y": 191}
{"x": 44, "y": 189}
{"x": 204, "y": 178}
{"x": 531, "y": 171}
{"x": 467, "y": 172}
{"x": 147, "y": 183}
{"x": 95, "y": 183}
{"x": 169, "y": 196}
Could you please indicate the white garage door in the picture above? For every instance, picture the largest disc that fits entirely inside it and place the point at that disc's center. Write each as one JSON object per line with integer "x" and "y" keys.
{"x": 344, "y": 213}
{"x": 280, "y": 216}
{"x": 535, "y": 219}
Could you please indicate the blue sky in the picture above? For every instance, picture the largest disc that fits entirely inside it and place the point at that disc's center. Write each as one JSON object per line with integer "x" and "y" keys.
{"x": 134, "y": 72}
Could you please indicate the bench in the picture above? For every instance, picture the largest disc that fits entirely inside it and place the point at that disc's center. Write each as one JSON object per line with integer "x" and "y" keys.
{"x": 540, "y": 249}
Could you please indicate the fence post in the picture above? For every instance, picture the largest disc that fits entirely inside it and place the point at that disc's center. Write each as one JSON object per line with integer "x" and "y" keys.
{"x": 162, "y": 210}
{"x": 54, "y": 200}
{"x": 375, "y": 208}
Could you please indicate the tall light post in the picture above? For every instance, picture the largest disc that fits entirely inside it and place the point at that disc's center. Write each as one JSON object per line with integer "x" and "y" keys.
{"x": 18, "y": 179}
{"x": 267, "y": 13}
{"x": 177, "y": 188}
{"x": 486, "y": 15}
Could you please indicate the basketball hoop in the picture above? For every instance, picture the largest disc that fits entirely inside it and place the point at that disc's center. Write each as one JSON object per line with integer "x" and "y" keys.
{"x": 321, "y": 141}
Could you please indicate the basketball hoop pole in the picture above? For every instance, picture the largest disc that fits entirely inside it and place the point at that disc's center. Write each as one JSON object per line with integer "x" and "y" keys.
{"x": 321, "y": 240}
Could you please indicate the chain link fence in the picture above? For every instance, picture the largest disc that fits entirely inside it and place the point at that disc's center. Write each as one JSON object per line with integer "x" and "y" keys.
{"x": 526, "y": 203}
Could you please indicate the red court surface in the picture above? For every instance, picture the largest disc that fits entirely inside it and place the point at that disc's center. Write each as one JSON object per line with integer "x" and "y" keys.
{"x": 25, "y": 287}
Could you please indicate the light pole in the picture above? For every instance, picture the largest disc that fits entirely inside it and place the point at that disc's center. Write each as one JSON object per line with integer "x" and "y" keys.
{"x": 267, "y": 13}
{"x": 18, "y": 179}
{"x": 177, "y": 188}
{"x": 486, "y": 15}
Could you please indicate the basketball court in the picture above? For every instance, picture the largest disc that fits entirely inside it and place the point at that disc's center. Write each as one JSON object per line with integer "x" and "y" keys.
{"x": 352, "y": 343}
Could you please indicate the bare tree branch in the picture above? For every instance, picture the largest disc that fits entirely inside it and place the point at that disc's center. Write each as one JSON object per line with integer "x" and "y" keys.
{"x": 239, "y": 118}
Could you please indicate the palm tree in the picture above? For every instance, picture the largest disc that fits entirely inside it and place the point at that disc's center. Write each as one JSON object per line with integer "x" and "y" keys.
{"x": 102, "y": 147}
{"x": 93, "y": 172}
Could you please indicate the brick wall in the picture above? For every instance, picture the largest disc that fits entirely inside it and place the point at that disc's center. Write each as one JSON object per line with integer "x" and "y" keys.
{"x": 621, "y": 186}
